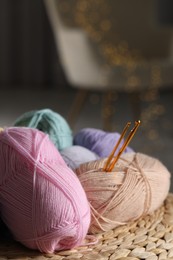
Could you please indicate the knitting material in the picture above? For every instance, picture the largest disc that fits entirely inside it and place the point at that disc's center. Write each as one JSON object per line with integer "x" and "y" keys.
{"x": 137, "y": 186}
{"x": 42, "y": 201}
{"x": 76, "y": 155}
{"x": 50, "y": 123}
{"x": 99, "y": 141}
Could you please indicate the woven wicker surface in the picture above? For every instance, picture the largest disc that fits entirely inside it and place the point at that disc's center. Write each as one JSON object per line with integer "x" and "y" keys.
{"x": 148, "y": 238}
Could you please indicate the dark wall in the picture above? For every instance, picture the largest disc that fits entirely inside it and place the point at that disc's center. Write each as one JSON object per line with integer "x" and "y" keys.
{"x": 165, "y": 12}
{"x": 28, "y": 54}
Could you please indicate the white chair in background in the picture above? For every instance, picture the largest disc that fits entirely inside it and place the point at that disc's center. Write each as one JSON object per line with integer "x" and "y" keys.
{"x": 85, "y": 67}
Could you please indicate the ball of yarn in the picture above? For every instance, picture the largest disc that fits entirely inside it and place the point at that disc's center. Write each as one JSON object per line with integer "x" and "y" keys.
{"x": 50, "y": 123}
{"x": 137, "y": 186}
{"x": 76, "y": 155}
{"x": 99, "y": 141}
{"x": 42, "y": 201}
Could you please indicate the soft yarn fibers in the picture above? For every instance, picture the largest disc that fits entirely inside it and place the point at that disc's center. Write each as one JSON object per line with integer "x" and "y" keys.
{"x": 137, "y": 186}
{"x": 76, "y": 155}
{"x": 42, "y": 201}
{"x": 98, "y": 141}
{"x": 50, "y": 123}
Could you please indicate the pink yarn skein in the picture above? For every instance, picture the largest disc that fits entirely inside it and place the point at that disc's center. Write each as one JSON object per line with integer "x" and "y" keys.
{"x": 42, "y": 201}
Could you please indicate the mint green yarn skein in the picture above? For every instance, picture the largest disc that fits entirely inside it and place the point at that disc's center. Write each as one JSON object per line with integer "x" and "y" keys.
{"x": 50, "y": 123}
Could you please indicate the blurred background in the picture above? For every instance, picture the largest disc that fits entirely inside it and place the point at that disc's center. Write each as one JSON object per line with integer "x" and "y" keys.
{"x": 98, "y": 63}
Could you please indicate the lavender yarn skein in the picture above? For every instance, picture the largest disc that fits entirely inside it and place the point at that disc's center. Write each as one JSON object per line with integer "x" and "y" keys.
{"x": 99, "y": 141}
{"x": 76, "y": 155}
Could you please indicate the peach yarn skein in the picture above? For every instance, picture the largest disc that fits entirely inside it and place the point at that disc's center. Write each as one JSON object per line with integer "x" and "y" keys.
{"x": 137, "y": 185}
